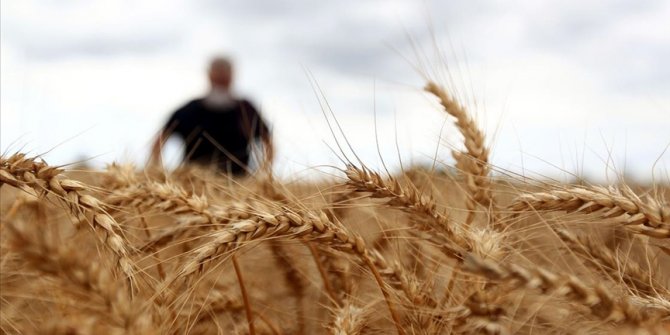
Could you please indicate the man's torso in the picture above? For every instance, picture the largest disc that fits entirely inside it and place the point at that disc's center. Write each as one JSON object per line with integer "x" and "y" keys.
{"x": 216, "y": 135}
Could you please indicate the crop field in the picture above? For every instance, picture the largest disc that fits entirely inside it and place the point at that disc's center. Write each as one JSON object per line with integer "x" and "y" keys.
{"x": 444, "y": 250}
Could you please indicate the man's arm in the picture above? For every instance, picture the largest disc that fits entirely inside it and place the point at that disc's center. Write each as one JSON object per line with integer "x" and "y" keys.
{"x": 173, "y": 125}
{"x": 156, "y": 158}
{"x": 266, "y": 138}
{"x": 268, "y": 146}
{"x": 258, "y": 129}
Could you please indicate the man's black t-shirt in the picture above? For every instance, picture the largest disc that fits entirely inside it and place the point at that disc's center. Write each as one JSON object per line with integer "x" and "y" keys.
{"x": 219, "y": 136}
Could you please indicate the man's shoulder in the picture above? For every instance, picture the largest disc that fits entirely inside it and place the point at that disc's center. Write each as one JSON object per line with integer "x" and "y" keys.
{"x": 246, "y": 105}
{"x": 192, "y": 104}
{"x": 189, "y": 107}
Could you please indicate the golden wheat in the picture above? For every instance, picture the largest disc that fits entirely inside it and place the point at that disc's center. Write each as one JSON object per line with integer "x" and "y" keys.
{"x": 195, "y": 252}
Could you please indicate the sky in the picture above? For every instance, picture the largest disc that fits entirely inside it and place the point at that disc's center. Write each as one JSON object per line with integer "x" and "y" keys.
{"x": 562, "y": 88}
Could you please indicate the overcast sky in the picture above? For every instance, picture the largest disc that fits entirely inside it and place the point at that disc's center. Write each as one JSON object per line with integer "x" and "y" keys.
{"x": 561, "y": 87}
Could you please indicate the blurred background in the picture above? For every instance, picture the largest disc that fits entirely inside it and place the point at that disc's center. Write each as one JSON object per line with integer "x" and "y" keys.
{"x": 562, "y": 87}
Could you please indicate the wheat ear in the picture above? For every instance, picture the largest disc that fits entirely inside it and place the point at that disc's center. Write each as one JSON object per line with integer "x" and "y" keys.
{"x": 603, "y": 259}
{"x": 20, "y": 171}
{"x": 651, "y": 218}
{"x": 483, "y": 314}
{"x": 474, "y": 161}
{"x": 63, "y": 263}
{"x": 286, "y": 223}
{"x": 349, "y": 319}
{"x": 599, "y": 300}
{"x": 408, "y": 199}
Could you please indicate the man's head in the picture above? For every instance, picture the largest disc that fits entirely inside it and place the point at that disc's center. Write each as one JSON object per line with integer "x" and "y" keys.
{"x": 220, "y": 72}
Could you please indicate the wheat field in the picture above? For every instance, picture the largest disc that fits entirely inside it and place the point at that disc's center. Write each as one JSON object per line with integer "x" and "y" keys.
{"x": 425, "y": 251}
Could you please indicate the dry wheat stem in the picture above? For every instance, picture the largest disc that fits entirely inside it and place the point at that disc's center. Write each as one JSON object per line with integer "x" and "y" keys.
{"x": 294, "y": 280}
{"x": 245, "y": 297}
{"x": 218, "y": 301}
{"x": 316, "y": 255}
{"x": 337, "y": 270}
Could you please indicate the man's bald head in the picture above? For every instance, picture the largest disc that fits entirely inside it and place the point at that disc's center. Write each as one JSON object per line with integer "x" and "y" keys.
{"x": 220, "y": 72}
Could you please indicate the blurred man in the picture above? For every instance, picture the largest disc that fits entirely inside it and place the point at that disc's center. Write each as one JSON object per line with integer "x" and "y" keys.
{"x": 219, "y": 130}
